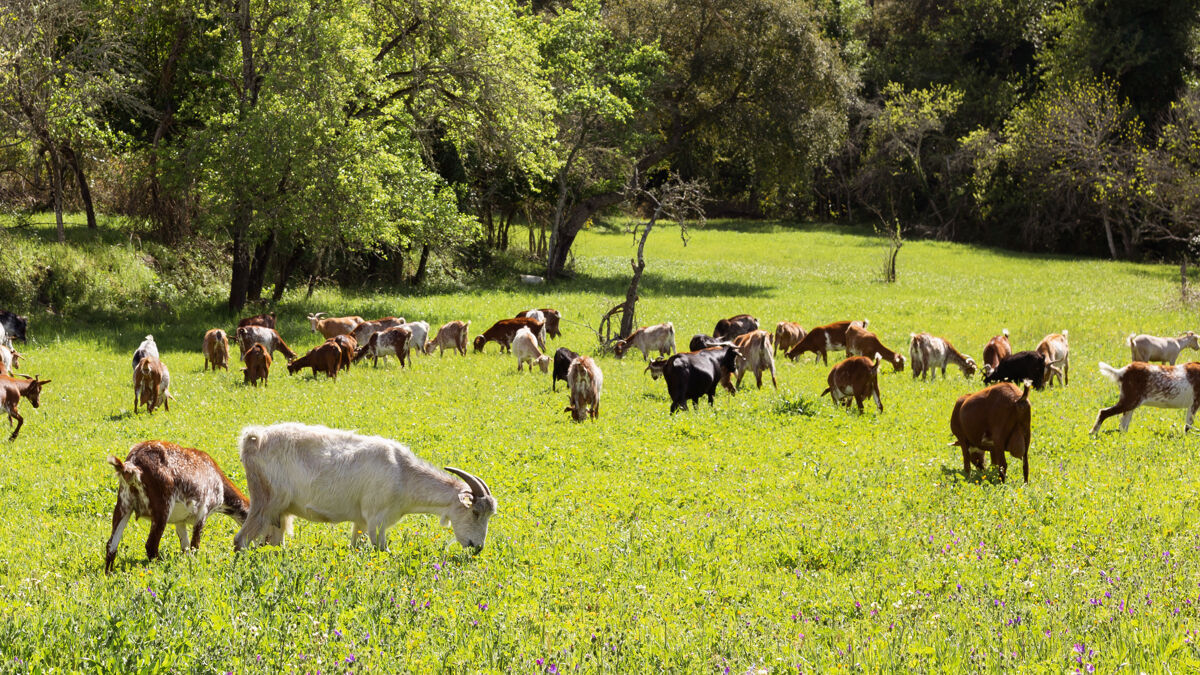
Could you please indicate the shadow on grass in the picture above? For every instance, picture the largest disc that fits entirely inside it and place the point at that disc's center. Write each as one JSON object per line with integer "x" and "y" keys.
{"x": 659, "y": 286}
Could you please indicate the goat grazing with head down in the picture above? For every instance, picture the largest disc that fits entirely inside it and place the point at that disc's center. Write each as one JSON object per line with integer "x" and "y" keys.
{"x": 584, "y": 383}
{"x": 170, "y": 485}
{"x": 216, "y": 349}
{"x": 928, "y": 353}
{"x": 333, "y": 476}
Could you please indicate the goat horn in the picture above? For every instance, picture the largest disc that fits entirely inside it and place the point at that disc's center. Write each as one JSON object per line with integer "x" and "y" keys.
{"x": 478, "y": 487}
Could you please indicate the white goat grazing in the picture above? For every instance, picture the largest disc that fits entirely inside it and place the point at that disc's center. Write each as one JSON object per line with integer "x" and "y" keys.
{"x": 525, "y": 348}
{"x": 334, "y": 476}
{"x": 1150, "y": 348}
{"x": 420, "y": 335}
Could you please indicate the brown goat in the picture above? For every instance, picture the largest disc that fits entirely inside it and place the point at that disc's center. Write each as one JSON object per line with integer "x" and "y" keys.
{"x": 788, "y": 334}
{"x": 363, "y": 331}
{"x": 452, "y": 335}
{"x": 12, "y": 389}
{"x": 264, "y": 320}
{"x": 550, "y": 316}
{"x": 823, "y": 339}
{"x": 862, "y": 342}
{"x": 258, "y": 365}
{"x": 333, "y": 326}
{"x": 1055, "y": 350}
{"x": 856, "y": 377}
{"x": 995, "y": 419}
{"x": 324, "y": 358}
{"x": 348, "y": 345}
{"x": 995, "y": 351}
{"x": 216, "y": 349}
{"x": 170, "y": 484}
{"x": 503, "y": 331}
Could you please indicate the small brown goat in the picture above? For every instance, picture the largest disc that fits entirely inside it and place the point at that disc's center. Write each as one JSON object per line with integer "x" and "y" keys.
{"x": 363, "y": 331}
{"x": 216, "y": 349}
{"x": 264, "y": 320}
{"x": 258, "y": 365}
{"x": 504, "y": 330}
{"x": 995, "y": 351}
{"x": 856, "y": 377}
{"x": 788, "y": 334}
{"x": 333, "y": 326}
{"x": 348, "y": 345}
{"x": 995, "y": 419}
{"x": 324, "y": 358}
{"x": 12, "y": 389}
{"x": 170, "y": 484}
{"x": 452, "y": 335}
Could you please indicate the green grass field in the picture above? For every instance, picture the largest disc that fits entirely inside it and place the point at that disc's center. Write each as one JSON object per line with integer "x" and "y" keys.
{"x": 772, "y": 532}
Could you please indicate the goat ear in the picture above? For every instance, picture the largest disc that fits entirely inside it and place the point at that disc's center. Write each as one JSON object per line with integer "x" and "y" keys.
{"x": 466, "y": 499}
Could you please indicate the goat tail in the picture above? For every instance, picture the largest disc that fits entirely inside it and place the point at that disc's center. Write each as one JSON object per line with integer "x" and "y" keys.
{"x": 128, "y": 472}
{"x": 1064, "y": 334}
{"x": 1129, "y": 340}
{"x": 828, "y": 390}
{"x": 1004, "y": 332}
{"x": 1024, "y": 394}
{"x": 1114, "y": 374}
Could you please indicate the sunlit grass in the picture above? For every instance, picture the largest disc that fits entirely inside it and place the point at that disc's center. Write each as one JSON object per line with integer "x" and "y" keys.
{"x": 771, "y": 531}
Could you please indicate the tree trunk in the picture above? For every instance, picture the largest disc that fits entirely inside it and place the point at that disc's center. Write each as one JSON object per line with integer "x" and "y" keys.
{"x": 1108, "y": 233}
{"x": 1183, "y": 292}
{"x": 285, "y": 273}
{"x": 631, "y": 294}
{"x": 85, "y": 193}
{"x": 418, "y": 278}
{"x": 56, "y": 187}
{"x": 240, "y": 277}
{"x": 258, "y": 267}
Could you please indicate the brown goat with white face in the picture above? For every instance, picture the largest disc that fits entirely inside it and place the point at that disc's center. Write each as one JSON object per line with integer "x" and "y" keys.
{"x": 170, "y": 485}
{"x": 216, "y": 349}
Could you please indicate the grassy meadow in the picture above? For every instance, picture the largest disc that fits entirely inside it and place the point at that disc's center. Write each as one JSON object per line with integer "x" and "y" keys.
{"x": 773, "y": 532}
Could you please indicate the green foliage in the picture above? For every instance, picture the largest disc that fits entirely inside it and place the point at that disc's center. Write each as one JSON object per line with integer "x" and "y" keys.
{"x": 772, "y": 530}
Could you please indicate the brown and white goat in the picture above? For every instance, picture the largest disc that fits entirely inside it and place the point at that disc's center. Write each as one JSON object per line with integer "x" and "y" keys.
{"x": 452, "y": 335}
{"x": 258, "y": 365}
{"x": 525, "y": 348}
{"x": 324, "y": 358}
{"x": 216, "y": 349}
{"x": 856, "y": 377}
{"x": 10, "y": 360}
{"x": 363, "y": 331}
{"x": 995, "y": 419}
{"x": 1057, "y": 354}
{"x": 247, "y": 336}
{"x": 394, "y": 341}
{"x": 1155, "y": 386}
{"x": 755, "y": 353}
{"x": 660, "y": 338}
{"x": 548, "y": 315}
{"x": 1150, "y": 348}
{"x": 170, "y": 485}
{"x": 995, "y": 351}
{"x": 333, "y": 326}
{"x": 12, "y": 389}
{"x": 584, "y": 382}
{"x": 503, "y": 331}
{"x": 862, "y": 342}
{"x": 929, "y": 353}
{"x": 824, "y": 339}
{"x": 152, "y": 385}
{"x": 788, "y": 334}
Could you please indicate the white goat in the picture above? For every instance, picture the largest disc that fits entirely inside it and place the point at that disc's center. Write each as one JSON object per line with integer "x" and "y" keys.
{"x": 420, "y": 335}
{"x": 1150, "y": 348}
{"x": 660, "y": 338}
{"x": 334, "y": 476}
{"x": 525, "y": 348}
{"x": 10, "y": 359}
